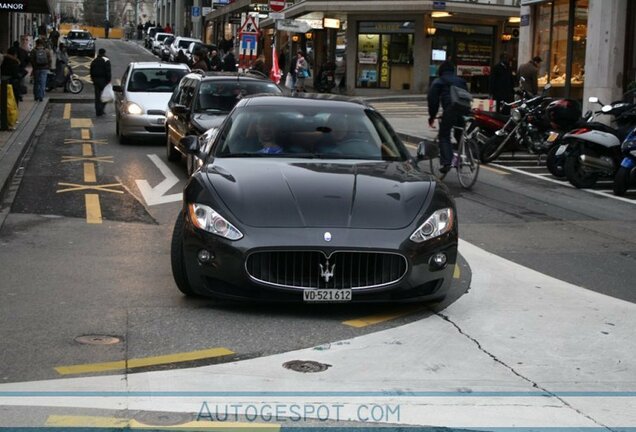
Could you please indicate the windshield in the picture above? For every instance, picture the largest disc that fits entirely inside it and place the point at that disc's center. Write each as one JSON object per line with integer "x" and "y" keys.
{"x": 221, "y": 96}
{"x": 184, "y": 43}
{"x": 78, "y": 35}
{"x": 308, "y": 132}
{"x": 161, "y": 37}
{"x": 155, "y": 80}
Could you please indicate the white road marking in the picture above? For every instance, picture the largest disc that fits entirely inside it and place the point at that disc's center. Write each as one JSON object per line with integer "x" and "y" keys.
{"x": 157, "y": 195}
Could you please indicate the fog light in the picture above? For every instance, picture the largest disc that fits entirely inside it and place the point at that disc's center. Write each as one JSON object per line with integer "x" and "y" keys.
{"x": 438, "y": 261}
{"x": 205, "y": 256}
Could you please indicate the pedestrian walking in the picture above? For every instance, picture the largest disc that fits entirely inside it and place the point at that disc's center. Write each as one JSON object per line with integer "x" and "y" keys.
{"x": 41, "y": 62}
{"x": 140, "y": 30}
{"x": 302, "y": 71}
{"x": 106, "y": 28}
{"x": 216, "y": 64}
{"x": 229, "y": 61}
{"x": 530, "y": 74}
{"x": 502, "y": 84}
{"x": 440, "y": 94}
{"x": 101, "y": 76}
{"x": 10, "y": 71}
{"x": 54, "y": 37}
{"x": 198, "y": 61}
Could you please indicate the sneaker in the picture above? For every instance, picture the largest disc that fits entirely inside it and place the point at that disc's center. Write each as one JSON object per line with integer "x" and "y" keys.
{"x": 445, "y": 169}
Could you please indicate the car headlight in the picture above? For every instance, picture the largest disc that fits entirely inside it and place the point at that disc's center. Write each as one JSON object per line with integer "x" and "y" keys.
{"x": 440, "y": 222}
{"x": 203, "y": 217}
{"x": 516, "y": 115}
{"x": 133, "y": 108}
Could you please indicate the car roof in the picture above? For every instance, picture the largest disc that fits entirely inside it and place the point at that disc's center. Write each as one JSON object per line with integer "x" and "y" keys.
{"x": 305, "y": 100}
{"x": 148, "y": 65}
{"x": 188, "y": 39}
{"x": 212, "y": 76}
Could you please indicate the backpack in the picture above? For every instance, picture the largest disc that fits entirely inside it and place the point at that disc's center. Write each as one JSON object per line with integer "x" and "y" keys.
{"x": 461, "y": 100}
{"x": 41, "y": 59}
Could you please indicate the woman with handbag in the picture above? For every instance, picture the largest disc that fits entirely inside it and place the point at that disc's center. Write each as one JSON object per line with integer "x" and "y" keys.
{"x": 302, "y": 71}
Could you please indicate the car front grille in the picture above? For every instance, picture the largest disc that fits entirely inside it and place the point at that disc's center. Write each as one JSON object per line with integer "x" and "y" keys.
{"x": 155, "y": 129}
{"x": 312, "y": 269}
{"x": 156, "y": 112}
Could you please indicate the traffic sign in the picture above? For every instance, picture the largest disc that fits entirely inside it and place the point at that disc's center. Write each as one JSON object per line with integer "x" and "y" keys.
{"x": 294, "y": 26}
{"x": 276, "y": 5}
{"x": 249, "y": 26}
{"x": 196, "y": 11}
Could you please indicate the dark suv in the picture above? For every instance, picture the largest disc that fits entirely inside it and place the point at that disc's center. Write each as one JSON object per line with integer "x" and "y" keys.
{"x": 202, "y": 101}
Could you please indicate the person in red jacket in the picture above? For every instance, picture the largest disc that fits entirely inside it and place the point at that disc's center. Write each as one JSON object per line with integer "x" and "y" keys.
{"x": 168, "y": 29}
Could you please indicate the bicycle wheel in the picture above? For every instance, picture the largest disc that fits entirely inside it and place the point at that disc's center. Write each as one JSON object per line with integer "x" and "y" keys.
{"x": 468, "y": 163}
{"x": 434, "y": 162}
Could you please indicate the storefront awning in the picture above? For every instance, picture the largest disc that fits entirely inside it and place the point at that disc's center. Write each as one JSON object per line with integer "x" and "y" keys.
{"x": 26, "y": 6}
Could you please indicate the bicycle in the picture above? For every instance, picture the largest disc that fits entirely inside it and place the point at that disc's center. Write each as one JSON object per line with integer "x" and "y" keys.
{"x": 465, "y": 158}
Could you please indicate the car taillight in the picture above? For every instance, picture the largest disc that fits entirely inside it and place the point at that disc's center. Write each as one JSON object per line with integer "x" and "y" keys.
{"x": 580, "y": 131}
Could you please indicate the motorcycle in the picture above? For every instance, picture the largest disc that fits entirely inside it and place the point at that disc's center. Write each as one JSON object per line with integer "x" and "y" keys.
{"x": 626, "y": 174}
{"x": 526, "y": 125}
{"x": 326, "y": 78}
{"x": 73, "y": 83}
{"x": 594, "y": 151}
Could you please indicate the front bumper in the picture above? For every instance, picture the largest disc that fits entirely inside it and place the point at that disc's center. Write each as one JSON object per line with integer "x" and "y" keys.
{"x": 226, "y": 275}
{"x": 144, "y": 125}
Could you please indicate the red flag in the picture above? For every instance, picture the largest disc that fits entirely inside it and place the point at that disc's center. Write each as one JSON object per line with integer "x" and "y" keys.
{"x": 275, "y": 73}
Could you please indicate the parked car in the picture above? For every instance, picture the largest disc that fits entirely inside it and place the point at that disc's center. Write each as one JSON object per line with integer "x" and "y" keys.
{"x": 199, "y": 46}
{"x": 157, "y": 42}
{"x": 202, "y": 101}
{"x": 150, "y": 34}
{"x": 180, "y": 43}
{"x": 164, "y": 54}
{"x": 80, "y": 42}
{"x": 142, "y": 98}
{"x": 308, "y": 199}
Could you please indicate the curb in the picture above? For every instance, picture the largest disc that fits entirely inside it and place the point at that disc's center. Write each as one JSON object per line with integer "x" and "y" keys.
{"x": 18, "y": 144}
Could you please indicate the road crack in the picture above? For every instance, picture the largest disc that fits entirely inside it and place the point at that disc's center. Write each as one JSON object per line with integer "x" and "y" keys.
{"x": 515, "y": 372}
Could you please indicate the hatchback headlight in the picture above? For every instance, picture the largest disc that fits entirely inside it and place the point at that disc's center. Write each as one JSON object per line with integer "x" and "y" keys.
{"x": 440, "y": 222}
{"x": 205, "y": 218}
{"x": 133, "y": 108}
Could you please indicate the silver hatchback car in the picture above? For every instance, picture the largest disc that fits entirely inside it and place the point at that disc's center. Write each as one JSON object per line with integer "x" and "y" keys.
{"x": 142, "y": 98}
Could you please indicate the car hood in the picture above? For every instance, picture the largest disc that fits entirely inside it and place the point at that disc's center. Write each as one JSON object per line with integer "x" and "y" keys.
{"x": 150, "y": 101}
{"x": 207, "y": 121}
{"x": 338, "y": 194}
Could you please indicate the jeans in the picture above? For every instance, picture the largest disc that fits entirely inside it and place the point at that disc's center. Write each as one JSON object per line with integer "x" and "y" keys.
{"x": 449, "y": 119}
{"x": 39, "y": 83}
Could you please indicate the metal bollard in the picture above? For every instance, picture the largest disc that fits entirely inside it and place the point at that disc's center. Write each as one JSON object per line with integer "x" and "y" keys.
{"x": 4, "y": 106}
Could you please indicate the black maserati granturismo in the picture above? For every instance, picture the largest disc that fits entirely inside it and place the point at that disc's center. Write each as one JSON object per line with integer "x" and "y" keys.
{"x": 312, "y": 199}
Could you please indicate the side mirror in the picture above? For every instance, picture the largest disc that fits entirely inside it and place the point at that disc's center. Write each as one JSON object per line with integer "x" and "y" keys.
{"x": 180, "y": 109}
{"x": 593, "y": 99}
{"x": 606, "y": 108}
{"x": 190, "y": 144}
{"x": 118, "y": 88}
{"x": 522, "y": 79}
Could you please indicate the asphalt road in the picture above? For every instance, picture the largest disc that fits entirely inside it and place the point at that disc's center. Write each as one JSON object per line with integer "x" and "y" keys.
{"x": 63, "y": 277}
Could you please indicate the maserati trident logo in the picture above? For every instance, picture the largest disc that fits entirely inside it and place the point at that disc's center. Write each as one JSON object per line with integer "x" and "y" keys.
{"x": 327, "y": 236}
{"x": 325, "y": 272}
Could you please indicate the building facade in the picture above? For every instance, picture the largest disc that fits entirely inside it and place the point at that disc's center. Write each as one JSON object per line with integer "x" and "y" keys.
{"x": 20, "y": 20}
{"x": 587, "y": 46}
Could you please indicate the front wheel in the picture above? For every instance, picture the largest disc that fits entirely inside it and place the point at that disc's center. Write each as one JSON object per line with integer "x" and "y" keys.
{"x": 75, "y": 85}
{"x": 622, "y": 181}
{"x": 179, "y": 272}
{"x": 468, "y": 164}
{"x": 171, "y": 153}
{"x": 578, "y": 174}
{"x": 554, "y": 162}
{"x": 492, "y": 148}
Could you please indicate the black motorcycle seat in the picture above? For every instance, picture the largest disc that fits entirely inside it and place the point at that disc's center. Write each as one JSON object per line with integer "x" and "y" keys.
{"x": 600, "y": 127}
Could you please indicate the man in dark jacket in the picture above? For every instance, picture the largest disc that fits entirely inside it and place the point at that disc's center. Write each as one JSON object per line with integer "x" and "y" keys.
{"x": 502, "y": 84}
{"x": 101, "y": 76}
{"x": 440, "y": 94}
{"x": 216, "y": 64}
{"x": 530, "y": 73}
{"x": 229, "y": 61}
{"x": 40, "y": 58}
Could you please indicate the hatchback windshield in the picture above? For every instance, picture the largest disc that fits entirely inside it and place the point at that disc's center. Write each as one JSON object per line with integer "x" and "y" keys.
{"x": 308, "y": 132}
{"x": 220, "y": 96}
{"x": 155, "y": 80}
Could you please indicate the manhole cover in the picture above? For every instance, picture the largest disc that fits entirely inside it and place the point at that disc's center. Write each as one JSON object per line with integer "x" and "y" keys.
{"x": 163, "y": 419}
{"x": 306, "y": 366}
{"x": 97, "y": 340}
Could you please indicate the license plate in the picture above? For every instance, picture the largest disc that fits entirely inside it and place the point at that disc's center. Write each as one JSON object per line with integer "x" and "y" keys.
{"x": 562, "y": 149}
{"x": 327, "y": 295}
{"x": 553, "y": 136}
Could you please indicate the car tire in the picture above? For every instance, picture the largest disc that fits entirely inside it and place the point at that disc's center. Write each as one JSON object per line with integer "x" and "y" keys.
{"x": 179, "y": 272}
{"x": 172, "y": 154}
{"x": 123, "y": 140}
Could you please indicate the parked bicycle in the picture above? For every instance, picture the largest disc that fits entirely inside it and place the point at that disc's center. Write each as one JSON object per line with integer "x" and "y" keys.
{"x": 465, "y": 157}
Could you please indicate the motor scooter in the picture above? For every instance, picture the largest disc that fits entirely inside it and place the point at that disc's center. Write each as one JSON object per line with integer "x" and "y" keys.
{"x": 72, "y": 84}
{"x": 626, "y": 174}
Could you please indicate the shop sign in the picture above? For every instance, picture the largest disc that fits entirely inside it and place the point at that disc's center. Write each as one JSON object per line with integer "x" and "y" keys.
{"x": 13, "y": 6}
{"x": 383, "y": 27}
{"x": 525, "y": 20}
{"x": 474, "y": 56}
{"x": 439, "y": 5}
{"x": 294, "y": 26}
{"x": 470, "y": 70}
{"x": 384, "y": 63}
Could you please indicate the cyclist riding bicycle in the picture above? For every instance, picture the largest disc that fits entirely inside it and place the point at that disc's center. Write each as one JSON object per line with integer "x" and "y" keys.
{"x": 440, "y": 93}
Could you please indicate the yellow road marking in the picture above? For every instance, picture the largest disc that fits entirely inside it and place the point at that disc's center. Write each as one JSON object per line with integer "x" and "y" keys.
{"x": 67, "y": 111}
{"x": 457, "y": 272}
{"x": 81, "y": 123}
{"x": 62, "y": 421}
{"x": 107, "y": 159}
{"x": 84, "y": 141}
{"x": 86, "y": 134}
{"x": 143, "y": 362}
{"x": 87, "y": 150}
{"x": 72, "y": 187}
{"x": 89, "y": 172}
{"x": 495, "y": 170}
{"x": 387, "y": 316}
{"x": 93, "y": 209}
